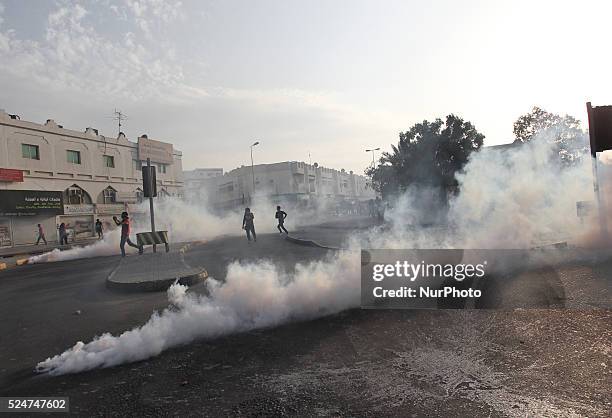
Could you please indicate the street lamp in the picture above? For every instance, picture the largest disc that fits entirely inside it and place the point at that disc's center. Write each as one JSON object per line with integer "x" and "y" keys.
{"x": 252, "y": 169}
{"x": 373, "y": 151}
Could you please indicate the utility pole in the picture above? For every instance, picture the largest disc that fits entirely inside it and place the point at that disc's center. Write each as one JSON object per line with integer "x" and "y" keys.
{"x": 601, "y": 205}
{"x": 373, "y": 151}
{"x": 252, "y": 168}
{"x": 154, "y": 187}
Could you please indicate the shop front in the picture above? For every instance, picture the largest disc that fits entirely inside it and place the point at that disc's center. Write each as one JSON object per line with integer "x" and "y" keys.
{"x": 22, "y": 210}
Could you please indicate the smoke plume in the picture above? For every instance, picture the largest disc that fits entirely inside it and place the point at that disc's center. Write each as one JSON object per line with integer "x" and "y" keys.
{"x": 252, "y": 296}
{"x": 511, "y": 199}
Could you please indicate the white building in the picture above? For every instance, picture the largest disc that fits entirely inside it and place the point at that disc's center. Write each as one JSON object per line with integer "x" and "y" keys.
{"x": 196, "y": 181}
{"x": 93, "y": 176}
{"x": 289, "y": 182}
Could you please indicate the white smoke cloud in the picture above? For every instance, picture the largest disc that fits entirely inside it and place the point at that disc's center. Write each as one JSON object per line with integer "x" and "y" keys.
{"x": 518, "y": 198}
{"x": 506, "y": 201}
{"x": 109, "y": 245}
{"x": 253, "y": 296}
{"x": 190, "y": 221}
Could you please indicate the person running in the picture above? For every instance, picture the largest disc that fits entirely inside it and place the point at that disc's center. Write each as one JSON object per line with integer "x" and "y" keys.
{"x": 63, "y": 234}
{"x": 248, "y": 225}
{"x": 281, "y": 215}
{"x": 99, "y": 229}
{"x": 41, "y": 235}
{"x": 125, "y": 233}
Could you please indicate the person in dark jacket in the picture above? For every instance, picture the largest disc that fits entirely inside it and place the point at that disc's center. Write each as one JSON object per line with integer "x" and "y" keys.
{"x": 63, "y": 234}
{"x": 99, "y": 229}
{"x": 125, "y": 233}
{"x": 248, "y": 225}
{"x": 281, "y": 215}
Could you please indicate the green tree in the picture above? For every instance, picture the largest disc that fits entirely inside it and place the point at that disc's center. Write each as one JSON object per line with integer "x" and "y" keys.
{"x": 429, "y": 154}
{"x": 564, "y": 131}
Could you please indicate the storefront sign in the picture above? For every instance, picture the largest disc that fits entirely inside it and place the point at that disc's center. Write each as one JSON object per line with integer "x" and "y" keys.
{"x": 30, "y": 203}
{"x": 127, "y": 197}
{"x": 112, "y": 208}
{"x": 10, "y": 175}
{"x": 77, "y": 209}
{"x": 158, "y": 152}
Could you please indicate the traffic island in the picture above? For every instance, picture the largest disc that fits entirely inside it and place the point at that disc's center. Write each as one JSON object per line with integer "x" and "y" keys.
{"x": 308, "y": 243}
{"x": 153, "y": 272}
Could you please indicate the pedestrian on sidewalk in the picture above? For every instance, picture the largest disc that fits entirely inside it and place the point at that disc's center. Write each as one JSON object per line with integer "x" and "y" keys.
{"x": 281, "y": 215}
{"x": 63, "y": 234}
{"x": 125, "y": 233}
{"x": 248, "y": 225}
{"x": 99, "y": 229}
{"x": 41, "y": 235}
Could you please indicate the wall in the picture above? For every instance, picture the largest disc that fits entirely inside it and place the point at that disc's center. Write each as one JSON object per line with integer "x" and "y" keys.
{"x": 53, "y": 171}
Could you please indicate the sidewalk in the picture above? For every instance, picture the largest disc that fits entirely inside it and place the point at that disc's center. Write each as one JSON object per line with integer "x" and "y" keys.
{"x": 39, "y": 249}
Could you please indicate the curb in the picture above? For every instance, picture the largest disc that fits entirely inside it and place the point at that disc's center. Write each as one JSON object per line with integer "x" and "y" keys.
{"x": 2, "y": 266}
{"x": 22, "y": 261}
{"x": 309, "y": 243}
{"x": 157, "y": 285}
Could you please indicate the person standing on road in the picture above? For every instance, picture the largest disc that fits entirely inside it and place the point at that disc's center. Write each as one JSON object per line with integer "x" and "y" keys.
{"x": 248, "y": 225}
{"x": 63, "y": 234}
{"x": 125, "y": 233}
{"x": 41, "y": 235}
{"x": 281, "y": 215}
{"x": 99, "y": 229}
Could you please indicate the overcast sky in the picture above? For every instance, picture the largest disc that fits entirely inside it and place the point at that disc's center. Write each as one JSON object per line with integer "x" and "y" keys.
{"x": 326, "y": 77}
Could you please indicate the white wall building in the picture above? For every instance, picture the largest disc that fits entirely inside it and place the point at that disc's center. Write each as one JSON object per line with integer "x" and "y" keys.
{"x": 288, "y": 181}
{"x": 197, "y": 182}
{"x": 96, "y": 177}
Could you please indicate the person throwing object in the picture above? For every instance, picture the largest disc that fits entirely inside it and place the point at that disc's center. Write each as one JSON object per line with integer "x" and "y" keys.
{"x": 125, "y": 233}
{"x": 248, "y": 225}
{"x": 281, "y": 215}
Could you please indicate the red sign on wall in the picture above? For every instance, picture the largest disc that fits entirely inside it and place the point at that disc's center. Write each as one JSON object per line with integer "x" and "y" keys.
{"x": 8, "y": 174}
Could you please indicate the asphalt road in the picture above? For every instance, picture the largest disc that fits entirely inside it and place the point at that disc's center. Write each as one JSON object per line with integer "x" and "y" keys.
{"x": 551, "y": 362}
{"x": 39, "y": 303}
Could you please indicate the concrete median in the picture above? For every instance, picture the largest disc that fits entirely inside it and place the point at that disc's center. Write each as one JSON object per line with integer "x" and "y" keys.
{"x": 154, "y": 272}
{"x": 309, "y": 243}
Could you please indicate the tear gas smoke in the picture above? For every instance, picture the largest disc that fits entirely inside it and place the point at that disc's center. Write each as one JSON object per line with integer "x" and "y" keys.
{"x": 191, "y": 221}
{"x": 253, "y": 296}
{"x": 506, "y": 201}
{"x": 516, "y": 198}
{"x": 104, "y": 247}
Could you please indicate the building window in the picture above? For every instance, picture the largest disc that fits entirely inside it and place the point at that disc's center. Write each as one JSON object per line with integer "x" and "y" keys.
{"x": 139, "y": 195}
{"x": 74, "y": 157}
{"x": 30, "y": 151}
{"x": 109, "y": 161}
{"x": 162, "y": 168}
{"x": 74, "y": 195}
{"x": 109, "y": 195}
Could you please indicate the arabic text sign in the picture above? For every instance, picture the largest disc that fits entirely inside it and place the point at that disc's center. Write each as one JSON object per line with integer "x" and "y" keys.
{"x": 159, "y": 152}
{"x": 30, "y": 202}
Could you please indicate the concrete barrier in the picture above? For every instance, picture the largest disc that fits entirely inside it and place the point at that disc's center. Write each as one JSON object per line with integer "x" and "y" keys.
{"x": 154, "y": 272}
